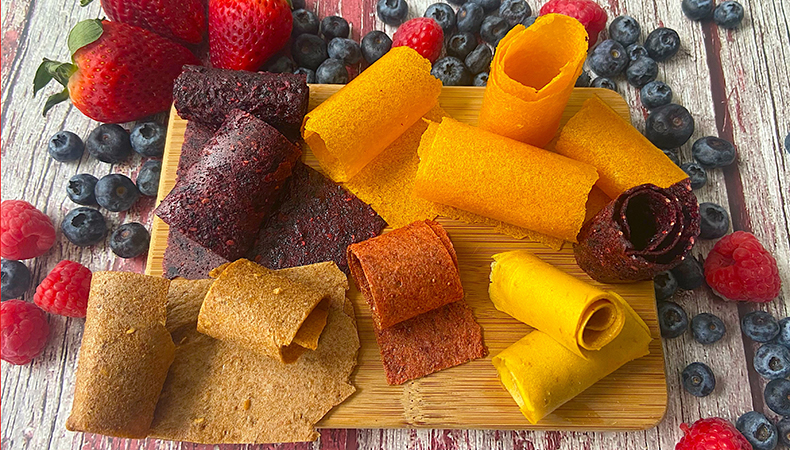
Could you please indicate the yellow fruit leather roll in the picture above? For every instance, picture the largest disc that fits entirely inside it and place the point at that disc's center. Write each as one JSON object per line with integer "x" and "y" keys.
{"x": 574, "y": 313}
{"x": 624, "y": 158}
{"x": 532, "y": 77}
{"x": 541, "y": 374}
{"x": 492, "y": 176}
{"x": 358, "y": 122}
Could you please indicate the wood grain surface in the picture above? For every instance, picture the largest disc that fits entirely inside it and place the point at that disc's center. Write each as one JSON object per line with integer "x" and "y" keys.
{"x": 733, "y": 82}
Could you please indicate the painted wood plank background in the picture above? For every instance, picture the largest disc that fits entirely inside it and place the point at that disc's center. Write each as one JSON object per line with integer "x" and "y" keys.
{"x": 733, "y": 82}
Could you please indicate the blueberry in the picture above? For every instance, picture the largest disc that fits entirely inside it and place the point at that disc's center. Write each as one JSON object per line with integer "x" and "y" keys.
{"x": 297, "y": 4}
{"x": 634, "y": 51}
{"x": 481, "y": 79}
{"x": 148, "y": 177}
{"x": 777, "y": 396}
{"x": 707, "y": 328}
{"x": 443, "y": 14}
{"x": 15, "y": 278}
{"x": 148, "y": 139}
{"x": 457, "y": 2}
{"x": 698, "y": 379}
{"x": 392, "y": 12}
{"x": 758, "y": 430}
{"x": 488, "y": 6}
{"x": 514, "y": 11}
{"x": 642, "y": 71}
{"x": 309, "y": 50}
{"x": 345, "y": 50}
{"x": 783, "y": 338}
{"x": 673, "y": 156}
{"x": 374, "y": 45}
{"x": 655, "y": 94}
{"x": 697, "y": 9}
{"x": 714, "y": 221}
{"x": 334, "y": 26}
{"x": 669, "y": 126}
{"x": 65, "y": 146}
{"x": 452, "y": 72}
{"x": 493, "y": 29}
{"x": 84, "y": 226}
{"x": 528, "y": 21}
{"x": 662, "y": 43}
{"x": 309, "y": 74}
{"x": 672, "y": 320}
{"x": 711, "y": 152}
{"x": 109, "y": 143}
{"x": 461, "y": 44}
{"x": 783, "y": 429}
{"x": 625, "y": 30}
{"x": 787, "y": 142}
{"x": 689, "y": 273}
{"x": 728, "y": 14}
{"x": 696, "y": 173}
{"x": 469, "y": 18}
{"x": 332, "y": 71}
{"x": 665, "y": 285}
{"x": 603, "y": 82}
{"x": 608, "y": 58}
{"x": 116, "y": 192}
{"x": 479, "y": 60}
{"x": 130, "y": 240}
{"x": 584, "y": 79}
{"x": 772, "y": 361}
{"x": 80, "y": 189}
{"x": 280, "y": 64}
{"x": 304, "y": 22}
{"x": 759, "y": 326}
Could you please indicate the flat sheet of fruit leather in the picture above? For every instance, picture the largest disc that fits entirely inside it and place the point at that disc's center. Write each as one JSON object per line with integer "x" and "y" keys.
{"x": 357, "y": 123}
{"x": 223, "y": 198}
{"x": 124, "y": 357}
{"x": 315, "y": 220}
{"x": 186, "y": 258}
{"x": 623, "y": 156}
{"x": 216, "y": 393}
{"x": 531, "y": 79}
{"x": 576, "y": 314}
{"x": 209, "y": 95}
{"x": 196, "y": 135}
{"x": 541, "y": 374}
{"x": 644, "y": 231}
{"x": 493, "y": 176}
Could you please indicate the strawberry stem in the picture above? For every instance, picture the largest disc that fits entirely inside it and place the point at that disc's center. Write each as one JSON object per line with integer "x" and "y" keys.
{"x": 85, "y": 2}
{"x": 54, "y": 99}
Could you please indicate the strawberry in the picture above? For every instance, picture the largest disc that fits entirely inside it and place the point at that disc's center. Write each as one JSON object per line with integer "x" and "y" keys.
{"x": 182, "y": 20}
{"x": 120, "y": 73}
{"x": 243, "y": 34}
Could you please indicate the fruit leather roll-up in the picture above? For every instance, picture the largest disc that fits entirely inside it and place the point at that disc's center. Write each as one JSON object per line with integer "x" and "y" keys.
{"x": 532, "y": 77}
{"x": 256, "y": 309}
{"x": 406, "y": 272}
{"x": 623, "y": 157}
{"x": 541, "y": 374}
{"x": 124, "y": 357}
{"x": 644, "y": 231}
{"x": 222, "y": 199}
{"x": 574, "y": 313}
{"x": 499, "y": 178}
{"x": 358, "y": 122}
{"x": 209, "y": 95}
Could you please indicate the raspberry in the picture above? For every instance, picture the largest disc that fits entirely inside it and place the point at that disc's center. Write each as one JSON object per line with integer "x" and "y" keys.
{"x": 589, "y": 13}
{"x": 23, "y": 331}
{"x": 422, "y": 34}
{"x": 65, "y": 290}
{"x": 712, "y": 434}
{"x": 25, "y": 232}
{"x": 740, "y": 268}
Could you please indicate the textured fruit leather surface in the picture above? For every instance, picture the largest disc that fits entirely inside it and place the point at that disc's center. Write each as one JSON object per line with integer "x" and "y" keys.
{"x": 470, "y": 396}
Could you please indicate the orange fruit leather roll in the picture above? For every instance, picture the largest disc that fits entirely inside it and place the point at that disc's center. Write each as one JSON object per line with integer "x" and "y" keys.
{"x": 358, "y": 122}
{"x": 532, "y": 77}
{"x": 496, "y": 177}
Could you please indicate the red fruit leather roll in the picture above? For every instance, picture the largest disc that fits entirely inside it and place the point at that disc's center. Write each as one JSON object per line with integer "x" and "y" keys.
{"x": 406, "y": 272}
{"x": 644, "y": 231}
{"x": 209, "y": 95}
{"x": 222, "y": 199}
{"x": 196, "y": 135}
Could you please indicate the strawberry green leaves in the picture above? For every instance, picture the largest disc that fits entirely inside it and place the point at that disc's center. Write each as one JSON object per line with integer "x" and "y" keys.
{"x": 84, "y": 33}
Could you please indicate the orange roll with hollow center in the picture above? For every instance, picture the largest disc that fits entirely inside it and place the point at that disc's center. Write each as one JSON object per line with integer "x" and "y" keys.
{"x": 532, "y": 77}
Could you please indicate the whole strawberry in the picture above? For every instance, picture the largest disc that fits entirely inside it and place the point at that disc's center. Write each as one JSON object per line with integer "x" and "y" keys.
{"x": 243, "y": 34}
{"x": 183, "y": 20}
{"x": 739, "y": 268}
{"x": 422, "y": 34}
{"x": 23, "y": 331}
{"x": 712, "y": 434}
{"x": 26, "y": 232}
{"x": 589, "y": 13}
{"x": 120, "y": 72}
{"x": 65, "y": 290}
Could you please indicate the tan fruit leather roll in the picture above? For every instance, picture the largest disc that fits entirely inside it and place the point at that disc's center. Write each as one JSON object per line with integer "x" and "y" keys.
{"x": 263, "y": 312}
{"x": 532, "y": 77}
{"x": 574, "y": 313}
{"x": 124, "y": 357}
{"x": 358, "y": 122}
{"x": 499, "y": 178}
{"x": 541, "y": 374}
{"x": 623, "y": 157}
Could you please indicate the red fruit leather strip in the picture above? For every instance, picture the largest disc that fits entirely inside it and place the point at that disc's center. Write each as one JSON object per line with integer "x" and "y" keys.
{"x": 223, "y": 198}
{"x": 655, "y": 208}
{"x": 406, "y": 272}
{"x": 196, "y": 135}
{"x": 186, "y": 258}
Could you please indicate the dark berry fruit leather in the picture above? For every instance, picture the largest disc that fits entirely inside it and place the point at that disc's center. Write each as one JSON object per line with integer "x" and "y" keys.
{"x": 186, "y": 258}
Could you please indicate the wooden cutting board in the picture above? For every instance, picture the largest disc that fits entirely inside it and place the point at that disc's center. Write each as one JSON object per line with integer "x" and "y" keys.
{"x": 470, "y": 395}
